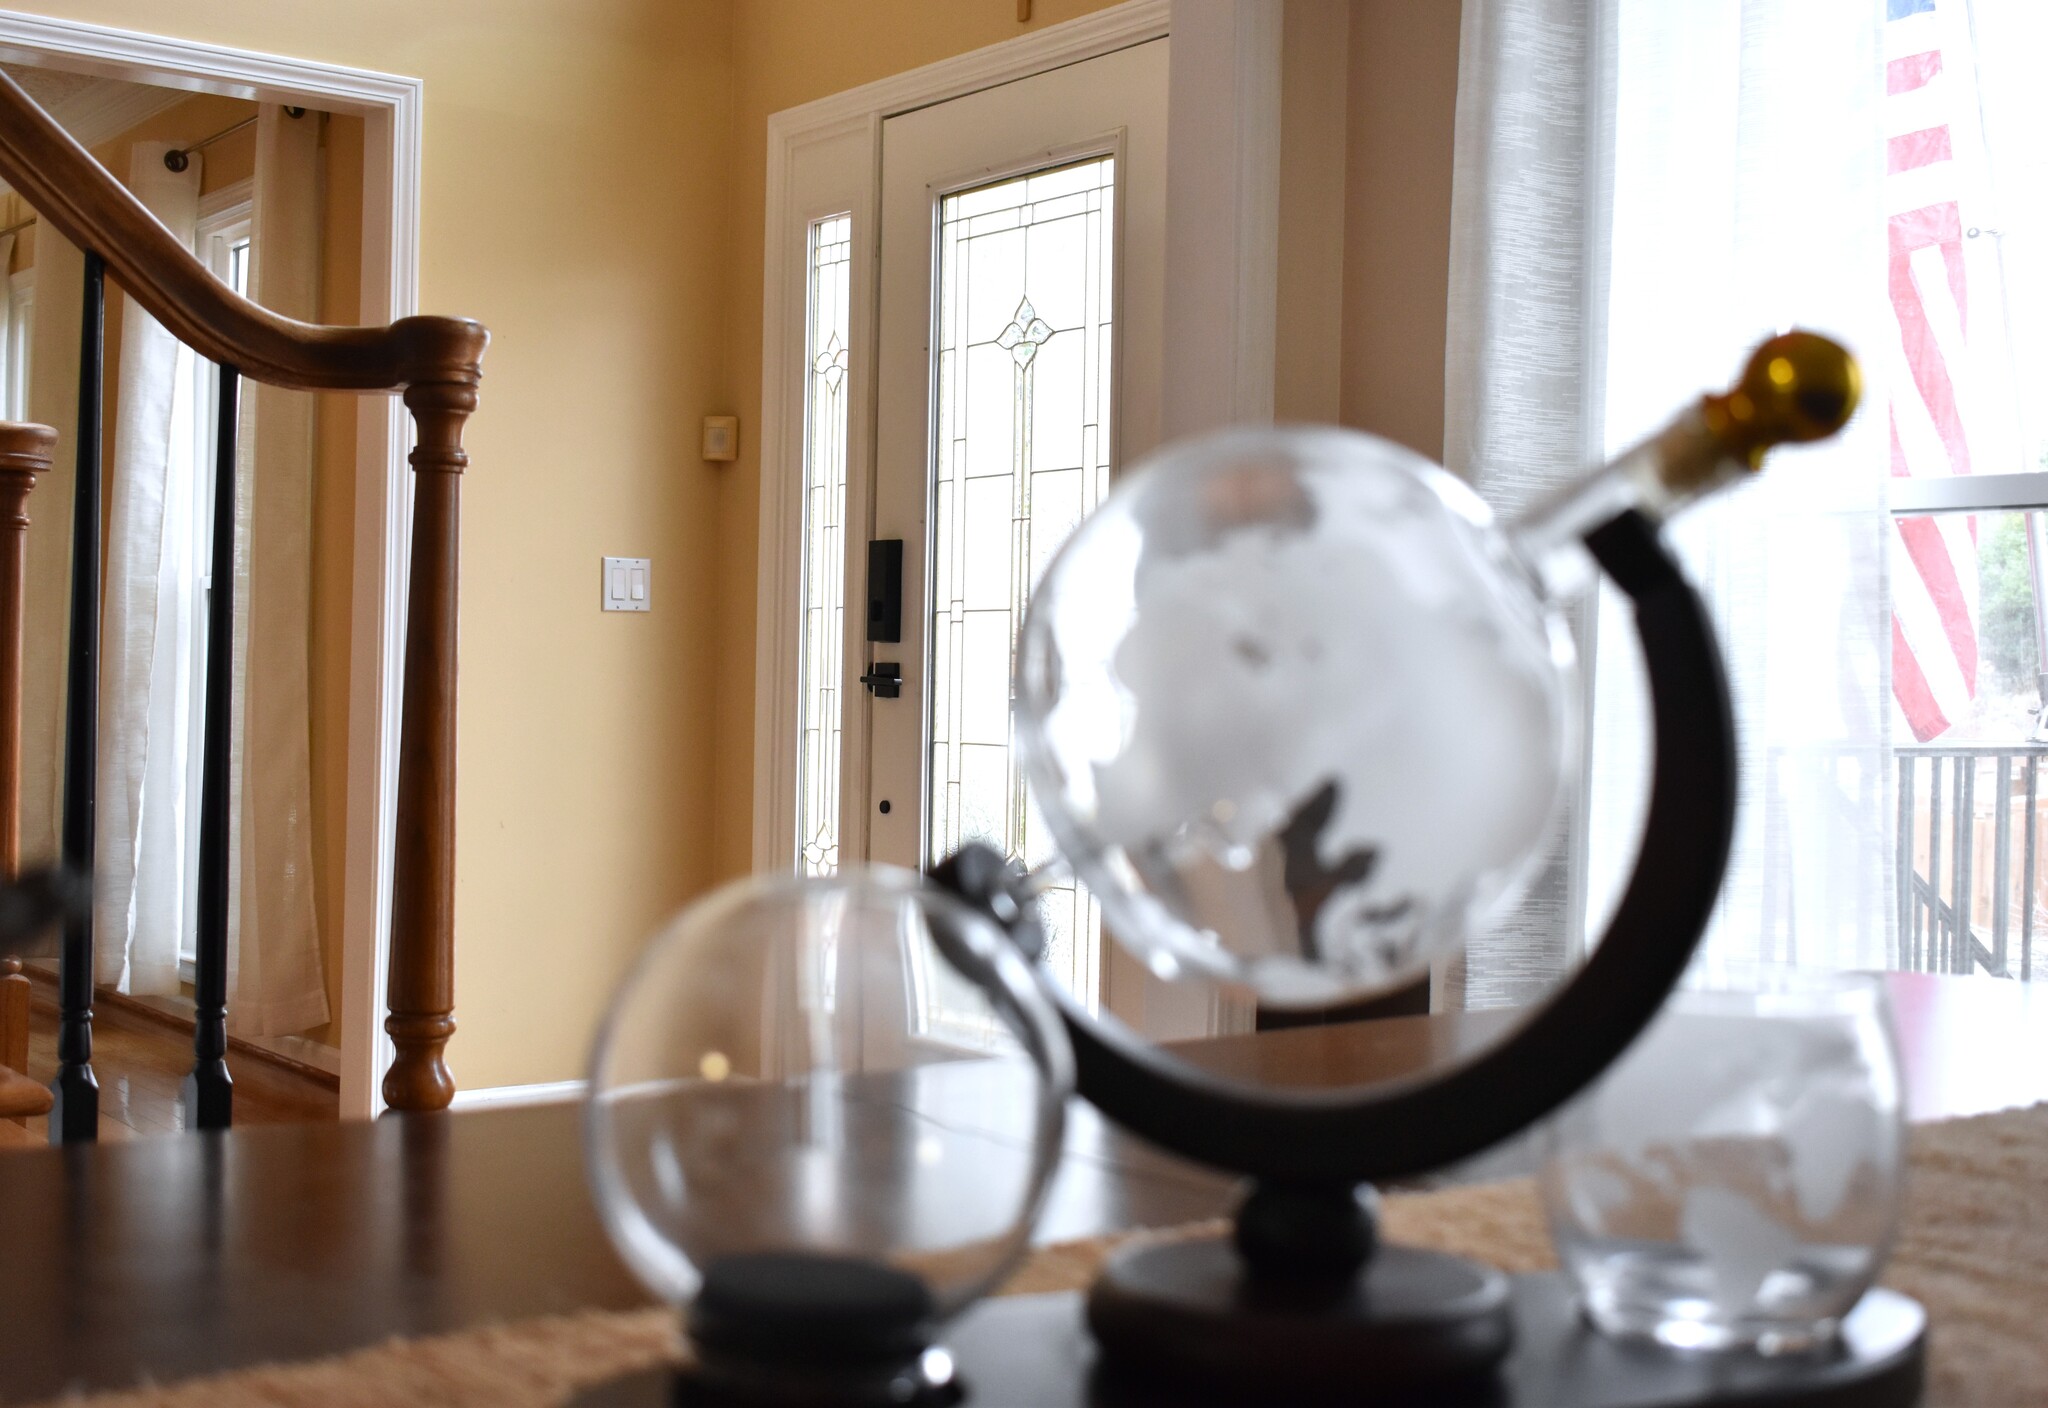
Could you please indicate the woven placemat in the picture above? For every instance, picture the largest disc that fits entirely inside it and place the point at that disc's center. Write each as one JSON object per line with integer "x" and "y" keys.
{"x": 1974, "y": 1250}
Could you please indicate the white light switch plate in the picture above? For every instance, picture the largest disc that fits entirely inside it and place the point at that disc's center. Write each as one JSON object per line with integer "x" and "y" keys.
{"x": 628, "y": 584}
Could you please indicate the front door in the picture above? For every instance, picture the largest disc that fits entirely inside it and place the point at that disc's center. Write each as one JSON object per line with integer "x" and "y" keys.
{"x": 1020, "y": 286}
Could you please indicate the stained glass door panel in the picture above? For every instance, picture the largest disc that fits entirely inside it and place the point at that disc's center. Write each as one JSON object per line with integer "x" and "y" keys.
{"x": 819, "y": 709}
{"x": 1023, "y": 343}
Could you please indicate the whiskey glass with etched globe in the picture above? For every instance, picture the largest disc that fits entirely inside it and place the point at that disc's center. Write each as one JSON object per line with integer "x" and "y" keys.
{"x": 1736, "y": 1179}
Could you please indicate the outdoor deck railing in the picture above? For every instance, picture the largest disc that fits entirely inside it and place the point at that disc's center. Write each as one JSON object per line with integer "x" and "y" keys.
{"x": 1971, "y": 891}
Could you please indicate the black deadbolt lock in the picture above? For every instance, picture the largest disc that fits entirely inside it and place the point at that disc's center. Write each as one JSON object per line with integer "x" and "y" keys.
{"x": 885, "y": 590}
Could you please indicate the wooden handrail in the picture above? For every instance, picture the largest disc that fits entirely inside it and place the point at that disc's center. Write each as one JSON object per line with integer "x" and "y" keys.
{"x": 78, "y": 197}
{"x": 437, "y": 364}
{"x": 25, "y": 452}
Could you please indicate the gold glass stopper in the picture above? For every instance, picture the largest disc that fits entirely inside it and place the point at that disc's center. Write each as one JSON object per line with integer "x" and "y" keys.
{"x": 1798, "y": 386}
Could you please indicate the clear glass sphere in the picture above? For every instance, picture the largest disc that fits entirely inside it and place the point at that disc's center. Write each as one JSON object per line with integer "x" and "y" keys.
{"x": 1736, "y": 1178}
{"x": 1296, "y": 712}
{"x": 858, "y": 1075}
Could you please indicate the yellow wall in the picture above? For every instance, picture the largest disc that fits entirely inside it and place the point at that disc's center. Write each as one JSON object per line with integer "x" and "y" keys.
{"x": 1402, "y": 110}
{"x": 593, "y": 191}
{"x": 573, "y": 200}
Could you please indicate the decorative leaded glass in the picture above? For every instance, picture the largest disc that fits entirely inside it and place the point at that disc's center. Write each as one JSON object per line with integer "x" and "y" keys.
{"x": 1022, "y": 453}
{"x": 824, "y": 564}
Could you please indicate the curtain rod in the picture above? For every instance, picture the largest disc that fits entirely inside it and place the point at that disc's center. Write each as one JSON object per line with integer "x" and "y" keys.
{"x": 178, "y": 158}
{"x": 175, "y": 159}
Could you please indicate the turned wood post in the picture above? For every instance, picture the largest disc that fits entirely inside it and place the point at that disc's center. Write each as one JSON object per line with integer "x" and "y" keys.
{"x": 421, "y": 992}
{"x": 25, "y": 452}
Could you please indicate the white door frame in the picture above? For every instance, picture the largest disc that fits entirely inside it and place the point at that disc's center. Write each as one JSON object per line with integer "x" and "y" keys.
{"x": 1218, "y": 359}
{"x": 390, "y": 107}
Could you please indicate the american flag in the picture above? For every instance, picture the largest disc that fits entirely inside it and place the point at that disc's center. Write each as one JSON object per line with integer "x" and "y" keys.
{"x": 1934, "y": 590}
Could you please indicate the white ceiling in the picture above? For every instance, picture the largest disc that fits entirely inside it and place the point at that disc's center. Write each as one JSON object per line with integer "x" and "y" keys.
{"x": 91, "y": 109}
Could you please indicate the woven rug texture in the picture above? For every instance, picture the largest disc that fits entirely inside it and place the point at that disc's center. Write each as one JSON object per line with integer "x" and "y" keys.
{"x": 1973, "y": 1249}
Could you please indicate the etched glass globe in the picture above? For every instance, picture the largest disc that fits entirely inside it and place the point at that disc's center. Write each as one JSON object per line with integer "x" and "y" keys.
{"x": 825, "y": 1107}
{"x": 1737, "y": 1177}
{"x": 1296, "y": 711}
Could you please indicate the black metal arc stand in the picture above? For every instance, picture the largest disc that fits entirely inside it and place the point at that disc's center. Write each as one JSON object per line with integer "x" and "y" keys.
{"x": 1301, "y": 1302}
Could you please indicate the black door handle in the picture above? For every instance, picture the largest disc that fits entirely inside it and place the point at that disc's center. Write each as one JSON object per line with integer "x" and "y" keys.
{"x": 884, "y": 679}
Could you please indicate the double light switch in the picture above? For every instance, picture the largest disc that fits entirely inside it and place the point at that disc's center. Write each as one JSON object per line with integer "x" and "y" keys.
{"x": 627, "y": 584}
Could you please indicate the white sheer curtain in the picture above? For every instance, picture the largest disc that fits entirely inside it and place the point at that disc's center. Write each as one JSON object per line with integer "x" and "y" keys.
{"x": 274, "y": 965}
{"x": 1521, "y": 373}
{"x": 13, "y": 381}
{"x": 1644, "y": 190}
{"x": 148, "y": 822}
{"x": 145, "y": 723}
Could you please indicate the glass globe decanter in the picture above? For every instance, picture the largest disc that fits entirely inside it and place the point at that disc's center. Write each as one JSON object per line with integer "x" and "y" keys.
{"x": 1301, "y": 713}
{"x": 822, "y": 1116}
{"x": 1298, "y": 711}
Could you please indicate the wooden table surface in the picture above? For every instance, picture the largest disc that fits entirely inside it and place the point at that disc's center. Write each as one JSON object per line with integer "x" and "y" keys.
{"x": 185, "y": 1254}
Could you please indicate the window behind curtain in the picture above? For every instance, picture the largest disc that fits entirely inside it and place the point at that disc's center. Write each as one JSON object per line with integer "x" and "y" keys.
{"x": 21, "y": 306}
{"x": 1876, "y": 171}
{"x": 223, "y": 246}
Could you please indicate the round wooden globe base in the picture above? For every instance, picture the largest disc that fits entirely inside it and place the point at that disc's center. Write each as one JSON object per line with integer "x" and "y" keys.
{"x": 1301, "y": 1299}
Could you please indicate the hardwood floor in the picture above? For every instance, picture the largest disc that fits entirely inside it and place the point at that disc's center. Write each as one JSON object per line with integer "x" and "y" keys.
{"x": 142, "y": 1060}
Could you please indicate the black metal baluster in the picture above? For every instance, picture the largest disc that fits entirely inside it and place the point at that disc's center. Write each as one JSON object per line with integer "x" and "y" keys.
{"x": 76, "y": 1114}
{"x": 2001, "y": 866}
{"x": 2027, "y": 879}
{"x": 1964, "y": 934}
{"x": 1902, "y": 944}
{"x": 1932, "y": 946}
{"x": 210, "y": 1091}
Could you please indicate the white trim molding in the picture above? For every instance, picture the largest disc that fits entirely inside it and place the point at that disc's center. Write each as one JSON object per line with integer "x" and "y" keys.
{"x": 1968, "y": 493}
{"x": 1222, "y": 213}
{"x": 390, "y": 106}
{"x": 237, "y": 200}
{"x": 504, "y": 1096}
{"x": 1055, "y": 46}
{"x": 851, "y": 123}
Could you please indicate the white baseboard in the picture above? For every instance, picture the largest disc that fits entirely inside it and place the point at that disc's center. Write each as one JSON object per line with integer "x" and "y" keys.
{"x": 304, "y": 1050}
{"x": 542, "y": 1093}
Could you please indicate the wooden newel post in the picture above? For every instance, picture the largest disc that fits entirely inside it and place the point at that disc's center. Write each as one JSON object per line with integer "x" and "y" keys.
{"x": 25, "y": 452}
{"x": 421, "y": 993}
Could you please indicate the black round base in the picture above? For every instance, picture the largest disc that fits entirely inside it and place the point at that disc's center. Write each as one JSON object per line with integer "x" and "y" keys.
{"x": 1187, "y": 1310}
{"x": 1035, "y": 1352}
{"x": 669, "y": 1388}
